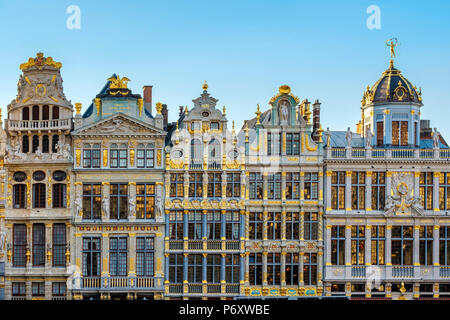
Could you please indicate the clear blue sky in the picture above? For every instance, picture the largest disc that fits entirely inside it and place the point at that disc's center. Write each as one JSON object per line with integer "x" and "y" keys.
{"x": 244, "y": 49}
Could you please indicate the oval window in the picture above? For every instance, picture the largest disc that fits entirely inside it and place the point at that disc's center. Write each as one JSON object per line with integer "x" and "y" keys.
{"x": 205, "y": 114}
{"x": 20, "y": 176}
{"x": 59, "y": 175}
{"x": 38, "y": 175}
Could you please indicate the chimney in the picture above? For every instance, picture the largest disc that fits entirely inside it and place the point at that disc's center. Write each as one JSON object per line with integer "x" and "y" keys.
{"x": 181, "y": 111}
{"x": 165, "y": 114}
{"x": 316, "y": 119}
{"x": 147, "y": 92}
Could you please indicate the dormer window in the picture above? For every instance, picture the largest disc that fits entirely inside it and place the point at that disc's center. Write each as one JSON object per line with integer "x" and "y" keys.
{"x": 214, "y": 126}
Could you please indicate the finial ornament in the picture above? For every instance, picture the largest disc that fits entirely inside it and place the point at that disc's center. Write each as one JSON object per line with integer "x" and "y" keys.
{"x": 186, "y": 110}
{"x": 77, "y": 108}
{"x": 40, "y": 61}
{"x": 224, "y": 110}
{"x": 392, "y": 43}
{"x": 158, "y": 107}
{"x": 205, "y": 86}
{"x": 258, "y": 114}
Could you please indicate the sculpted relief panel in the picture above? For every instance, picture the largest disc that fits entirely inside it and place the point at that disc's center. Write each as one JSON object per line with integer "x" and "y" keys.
{"x": 402, "y": 200}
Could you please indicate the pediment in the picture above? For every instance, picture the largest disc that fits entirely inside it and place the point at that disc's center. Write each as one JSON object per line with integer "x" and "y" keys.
{"x": 119, "y": 124}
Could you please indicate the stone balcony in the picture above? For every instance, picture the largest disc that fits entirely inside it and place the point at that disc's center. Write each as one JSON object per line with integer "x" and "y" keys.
{"x": 387, "y": 153}
{"x": 21, "y": 125}
{"x": 386, "y": 273}
{"x": 204, "y": 245}
{"x": 118, "y": 283}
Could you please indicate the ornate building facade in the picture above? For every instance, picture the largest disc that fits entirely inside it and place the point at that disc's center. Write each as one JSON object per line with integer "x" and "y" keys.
{"x": 118, "y": 200}
{"x": 117, "y": 203}
{"x": 38, "y": 178}
{"x": 387, "y": 199}
{"x": 284, "y": 199}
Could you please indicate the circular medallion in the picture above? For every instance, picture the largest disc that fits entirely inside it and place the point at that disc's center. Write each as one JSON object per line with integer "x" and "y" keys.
{"x": 38, "y": 175}
{"x": 19, "y": 176}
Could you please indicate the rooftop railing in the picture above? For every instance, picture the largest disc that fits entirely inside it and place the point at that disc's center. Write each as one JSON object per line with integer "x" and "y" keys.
{"x": 387, "y": 153}
{"x": 39, "y": 124}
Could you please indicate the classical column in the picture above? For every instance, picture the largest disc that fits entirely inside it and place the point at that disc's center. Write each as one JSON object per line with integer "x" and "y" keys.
{"x": 264, "y": 261}
{"x": 132, "y": 254}
{"x": 105, "y": 266}
{"x": 265, "y": 185}
{"x": 348, "y": 191}
{"x": 368, "y": 191}
{"x": 328, "y": 190}
{"x": 328, "y": 246}
{"x": 348, "y": 245}
{"x": 302, "y": 226}
{"x": 301, "y": 282}
{"x": 283, "y": 185}
{"x": 388, "y": 253}
{"x": 132, "y": 201}
{"x": 283, "y": 268}
{"x": 185, "y": 272}
{"x": 265, "y": 225}
{"x": 48, "y": 247}
{"x": 105, "y": 201}
{"x": 436, "y": 176}
{"x": 416, "y": 242}
{"x": 302, "y": 185}
{"x": 436, "y": 262}
{"x": 368, "y": 246}
{"x": 388, "y": 184}
{"x": 283, "y": 224}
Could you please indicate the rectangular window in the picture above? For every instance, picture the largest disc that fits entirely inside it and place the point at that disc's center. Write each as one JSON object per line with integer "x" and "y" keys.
{"x": 196, "y": 185}
{"x": 426, "y": 190}
{"x": 404, "y": 133}
{"x": 311, "y": 186}
{"x": 38, "y": 289}
{"x": 292, "y": 144}
{"x": 292, "y": 268}
{"x": 233, "y": 185}
{"x": 176, "y": 225}
{"x": 255, "y": 267}
{"x": 91, "y": 156}
{"x": 395, "y": 133}
{"x": 232, "y": 267}
{"x": 378, "y": 190}
{"x": 399, "y": 133}
{"x": 444, "y": 191}
{"x": 145, "y": 255}
{"x": 338, "y": 245}
{"x": 59, "y": 195}
{"x": 273, "y": 269}
{"x": 444, "y": 245}
{"x": 232, "y": 225}
{"x": 195, "y": 262}
{"x": 176, "y": 185}
{"x": 118, "y": 158}
{"x": 59, "y": 289}
{"x": 213, "y": 262}
{"x": 273, "y": 143}
{"x": 292, "y": 226}
{"x": 145, "y": 201}
{"x": 292, "y": 186}
{"x": 338, "y": 190}
{"x": 358, "y": 190}
{"x": 118, "y": 256}
{"x": 310, "y": 269}
{"x": 195, "y": 225}
{"x": 39, "y": 195}
{"x": 19, "y": 196}
{"x": 255, "y": 185}
{"x": 256, "y": 224}
{"x": 380, "y": 134}
{"x": 213, "y": 225}
{"x": 402, "y": 245}
{"x": 19, "y": 245}
{"x": 378, "y": 241}
{"x": 175, "y": 268}
{"x": 274, "y": 225}
{"x": 118, "y": 201}
{"x": 91, "y": 256}
{"x": 92, "y": 201}
{"x": 426, "y": 245}
{"x": 38, "y": 245}
{"x": 214, "y": 185}
{"x": 146, "y": 157}
{"x": 18, "y": 289}
{"x": 274, "y": 185}
{"x": 358, "y": 237}
{"x": 59, "y": 245}
{"x": 311, "y": 225}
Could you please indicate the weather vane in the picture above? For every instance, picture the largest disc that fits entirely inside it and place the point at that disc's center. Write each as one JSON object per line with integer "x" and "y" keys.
{"x": 393, "y": 42}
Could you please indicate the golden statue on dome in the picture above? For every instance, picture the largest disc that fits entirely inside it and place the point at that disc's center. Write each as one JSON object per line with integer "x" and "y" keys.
{"x": 392, "y": 43}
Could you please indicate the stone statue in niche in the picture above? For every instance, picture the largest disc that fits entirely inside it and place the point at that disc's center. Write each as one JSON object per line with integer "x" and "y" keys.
{"x": 369, "y": 137}
{"x": 158, "y": 206}
{"x": 131, "y": 205}
{"x": 284, "y": 111}
{"x": 328, "y": 137}
{"x": 2, "y": 242}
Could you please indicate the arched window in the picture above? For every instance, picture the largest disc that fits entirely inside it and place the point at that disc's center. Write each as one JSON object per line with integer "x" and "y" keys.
{"x": 214, "y": 149}
{"x": 35, "y": 143}
{"x": 196, "y": 150}
{"x": 45, "y": 144}
{"x": 45, "y": 112}
{"x": 55, "y": 114}
{"x": 39, "y": 195}
{"x": 25, "y": 144}
{"x": 35, "y": 112}
{"x": 26, "y": 113}
{"x": 55, "y": 140}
